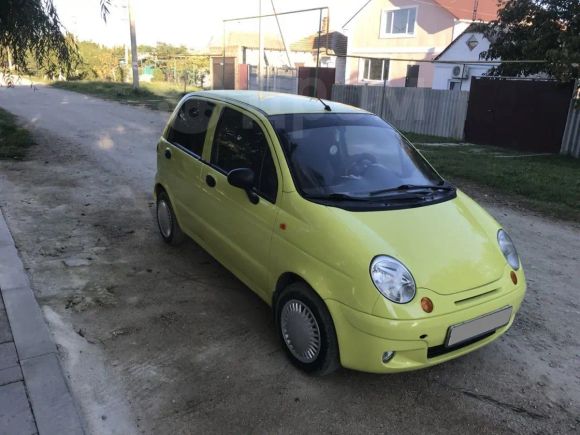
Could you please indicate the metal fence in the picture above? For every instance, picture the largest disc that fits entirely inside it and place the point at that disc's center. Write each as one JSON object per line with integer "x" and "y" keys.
{"x": 571, "y": 138}
{"x": 347, "y": 94}
{"x": 418, "y": 110}
{"x": 274, "y": 79}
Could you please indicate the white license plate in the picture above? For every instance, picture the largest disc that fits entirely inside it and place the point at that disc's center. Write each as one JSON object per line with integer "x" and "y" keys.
{"x": 465, "y": 331}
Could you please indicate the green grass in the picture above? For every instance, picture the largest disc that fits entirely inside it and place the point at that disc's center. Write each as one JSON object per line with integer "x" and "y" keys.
{"x": 155, "y": 95}
{"x": 427, "y": 138}
{"x": 546, "y": 183}
{"x": 14, "y": 140}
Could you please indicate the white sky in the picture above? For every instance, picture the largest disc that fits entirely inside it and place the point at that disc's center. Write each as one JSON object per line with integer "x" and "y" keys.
{"x": 191, "y": 22}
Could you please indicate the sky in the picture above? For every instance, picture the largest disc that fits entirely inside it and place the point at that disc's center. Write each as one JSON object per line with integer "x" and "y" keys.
{"x": 193, "y": 22}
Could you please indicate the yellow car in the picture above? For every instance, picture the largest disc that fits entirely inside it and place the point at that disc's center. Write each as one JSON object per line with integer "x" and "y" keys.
{"x": 369, "y": 259}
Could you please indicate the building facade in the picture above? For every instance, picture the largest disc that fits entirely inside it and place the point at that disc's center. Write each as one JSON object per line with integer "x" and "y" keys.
{"x": 459, "y": 62}
{"x": 397, "y": 40}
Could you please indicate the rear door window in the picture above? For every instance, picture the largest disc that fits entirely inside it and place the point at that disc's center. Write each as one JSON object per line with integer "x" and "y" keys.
{"x": 239, "y": 142}
{"x": 190, "y": 125}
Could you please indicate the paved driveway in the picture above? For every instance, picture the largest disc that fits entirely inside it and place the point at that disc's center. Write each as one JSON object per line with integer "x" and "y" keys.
{"x": 163, "y": 340}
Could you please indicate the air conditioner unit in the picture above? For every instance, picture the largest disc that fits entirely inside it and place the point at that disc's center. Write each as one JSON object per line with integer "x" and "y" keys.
{"x": 460, "y": 72}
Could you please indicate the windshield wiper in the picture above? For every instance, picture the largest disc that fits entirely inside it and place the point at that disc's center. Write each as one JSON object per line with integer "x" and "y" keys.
{"x": 337, "y": 197}
{"x": 408, "y": 187}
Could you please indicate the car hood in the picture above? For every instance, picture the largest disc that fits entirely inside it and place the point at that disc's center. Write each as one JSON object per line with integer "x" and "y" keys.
{"x": 448, "y": 247}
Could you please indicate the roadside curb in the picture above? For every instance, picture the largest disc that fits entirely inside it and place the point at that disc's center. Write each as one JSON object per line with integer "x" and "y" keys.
{"x": 52, "y": 403}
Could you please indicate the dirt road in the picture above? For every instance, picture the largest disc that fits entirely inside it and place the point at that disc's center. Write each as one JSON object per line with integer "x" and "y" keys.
{"x": 163, "y": 340}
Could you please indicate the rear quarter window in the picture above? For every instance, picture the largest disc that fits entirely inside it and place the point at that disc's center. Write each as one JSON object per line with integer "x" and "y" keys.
{"x": 189, "y": 128}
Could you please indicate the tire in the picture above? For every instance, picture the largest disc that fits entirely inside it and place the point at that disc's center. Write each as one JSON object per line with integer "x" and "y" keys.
{"x": 167, "y": 222}
{"x": 306, "y": 330}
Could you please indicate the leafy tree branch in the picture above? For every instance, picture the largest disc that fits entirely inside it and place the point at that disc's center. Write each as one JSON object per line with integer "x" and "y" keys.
{"x": 32, "y": 30}
{"x": 536, "y": 30}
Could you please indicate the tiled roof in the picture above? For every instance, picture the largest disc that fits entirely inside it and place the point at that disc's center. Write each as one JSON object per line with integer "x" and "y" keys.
{"x": 463, "y": 9}
{"x": 249, "y": 40}
{"x": 334, "y": 42}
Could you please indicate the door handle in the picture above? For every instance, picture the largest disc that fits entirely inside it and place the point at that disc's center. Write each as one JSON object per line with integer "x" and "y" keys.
{"x": 210, "y": 181}
{"x": 167, "y": 153}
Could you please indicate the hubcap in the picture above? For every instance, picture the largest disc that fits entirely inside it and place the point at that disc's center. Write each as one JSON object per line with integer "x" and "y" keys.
{"x": 300, "y": 331}
{"x": 164, "y": 218}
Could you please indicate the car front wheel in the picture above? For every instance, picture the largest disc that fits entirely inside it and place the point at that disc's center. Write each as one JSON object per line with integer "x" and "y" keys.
{"x": 306, "y": 330}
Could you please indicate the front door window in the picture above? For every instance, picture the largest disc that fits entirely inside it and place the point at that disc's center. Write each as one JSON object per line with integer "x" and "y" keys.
{"x": 239, "y": 142}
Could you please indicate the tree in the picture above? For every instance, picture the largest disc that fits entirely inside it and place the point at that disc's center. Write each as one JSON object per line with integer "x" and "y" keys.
{"x": 536, "y": 30}
{"x": 31, "y": 30}
{"x": 99, "y": 62}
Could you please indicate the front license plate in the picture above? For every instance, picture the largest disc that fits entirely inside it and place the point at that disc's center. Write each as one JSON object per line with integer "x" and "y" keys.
{"x": 465, "y": 331}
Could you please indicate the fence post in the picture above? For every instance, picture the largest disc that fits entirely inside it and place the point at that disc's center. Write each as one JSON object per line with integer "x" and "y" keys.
{"x": 571, "y": 137}
{"x": 364, "y": 98}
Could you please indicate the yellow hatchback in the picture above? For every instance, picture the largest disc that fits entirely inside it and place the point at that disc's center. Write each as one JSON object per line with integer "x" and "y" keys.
{"x": 369, "y": 259}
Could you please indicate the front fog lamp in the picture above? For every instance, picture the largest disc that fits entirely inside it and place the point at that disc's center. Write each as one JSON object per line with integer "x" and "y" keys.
{"x": 508, "y": 249}
{"x": 392, "y": 279}
{"x": 387, "y": 356}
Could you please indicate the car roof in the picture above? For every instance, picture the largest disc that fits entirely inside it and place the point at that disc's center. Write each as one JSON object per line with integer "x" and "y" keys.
{"x": 275, "y": 103}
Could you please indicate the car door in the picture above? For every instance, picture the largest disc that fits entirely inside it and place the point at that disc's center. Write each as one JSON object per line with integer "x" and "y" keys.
{"x": 241, "y": 230}
{"x": 181, "y": 154}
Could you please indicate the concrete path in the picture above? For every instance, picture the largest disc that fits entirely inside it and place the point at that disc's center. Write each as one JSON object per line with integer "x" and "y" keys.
{"x": 34, "y": 395}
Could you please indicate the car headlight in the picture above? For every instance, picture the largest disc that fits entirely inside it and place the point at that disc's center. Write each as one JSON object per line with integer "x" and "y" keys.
{"x": 392, "y": 279}
{"x": 508, "y": 249}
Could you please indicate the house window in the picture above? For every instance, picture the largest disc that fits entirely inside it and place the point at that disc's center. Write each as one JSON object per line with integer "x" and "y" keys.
{"x": 400, "y": 22}
{"x": 376, "y": 69}
{"x": 454, "y": 85}
{"x": 472, "y": 43}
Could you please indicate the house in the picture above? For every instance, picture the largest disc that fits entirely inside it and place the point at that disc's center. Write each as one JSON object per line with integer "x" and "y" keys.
{"x": 228, "y": 65}
{"x": 329, "y": 50}
{"x": 457, "y": 64}
{"x": 392, "y": 39}
{"x": 236, "y": 64}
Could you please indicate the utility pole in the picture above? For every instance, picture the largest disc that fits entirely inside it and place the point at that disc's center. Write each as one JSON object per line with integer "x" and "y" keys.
{"x": 9, "y": 55}
{"x": 127, "y": 69}
{"x": 261, "y": 45}
{"x": 315, "y": 90}
{"x": 281, "y": 35}
{"x": 134, "y": 60}
{"x": 475, "y": 6}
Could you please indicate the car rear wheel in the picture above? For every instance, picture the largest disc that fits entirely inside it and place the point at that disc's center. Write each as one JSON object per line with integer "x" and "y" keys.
{"x": 167, "y": 222}
{"x": 306, "y": 330}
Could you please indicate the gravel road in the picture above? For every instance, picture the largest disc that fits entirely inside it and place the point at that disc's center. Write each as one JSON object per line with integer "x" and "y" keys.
{"x": 164, "y": 340}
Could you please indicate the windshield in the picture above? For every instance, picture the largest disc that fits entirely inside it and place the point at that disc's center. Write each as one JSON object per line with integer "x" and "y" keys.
{"x": 358, "y": 155}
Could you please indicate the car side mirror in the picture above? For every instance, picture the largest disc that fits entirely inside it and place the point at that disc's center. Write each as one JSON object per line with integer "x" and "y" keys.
{"x": 244, "y": 178}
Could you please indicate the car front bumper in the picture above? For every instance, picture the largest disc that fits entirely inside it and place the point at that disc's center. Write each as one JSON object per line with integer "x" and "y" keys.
{"x": 364, "y": 338}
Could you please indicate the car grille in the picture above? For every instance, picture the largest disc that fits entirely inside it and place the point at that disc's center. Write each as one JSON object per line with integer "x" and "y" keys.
{"x": 477, "y": 298}
{"x": 436, "y": 351}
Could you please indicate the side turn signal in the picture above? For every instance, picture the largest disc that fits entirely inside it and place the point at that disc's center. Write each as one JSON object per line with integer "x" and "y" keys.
{"x": 514, "y": 277}
{"x": 427, "y": 304}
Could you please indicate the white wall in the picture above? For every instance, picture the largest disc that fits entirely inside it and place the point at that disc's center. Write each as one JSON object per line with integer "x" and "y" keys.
{"x": 443, "y": 75}
{"x": 340, "y": 74}
{"x": 460, "y": 53}
{"x": 459, "y": 27}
